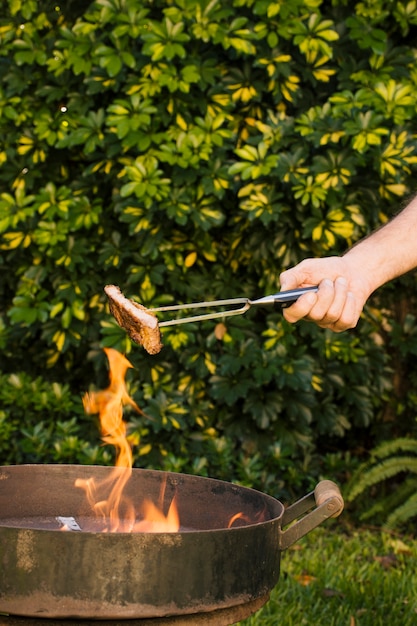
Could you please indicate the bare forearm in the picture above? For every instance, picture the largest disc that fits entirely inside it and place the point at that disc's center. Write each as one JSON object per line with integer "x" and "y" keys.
{"x": 389, "y": 252}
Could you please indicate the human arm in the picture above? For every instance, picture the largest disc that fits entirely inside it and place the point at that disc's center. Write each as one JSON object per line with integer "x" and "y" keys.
{"x": 346, "y": 282}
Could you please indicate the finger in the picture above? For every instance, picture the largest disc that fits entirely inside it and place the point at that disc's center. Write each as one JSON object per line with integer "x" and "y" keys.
{"x": 290, "y": 279}
{"x": 301, "y": 308}
{"x": 349, "y": 316}
{"x": 295, "y": 277}
{"x": 325, "y": 300}
{"x": 337, "y": 304}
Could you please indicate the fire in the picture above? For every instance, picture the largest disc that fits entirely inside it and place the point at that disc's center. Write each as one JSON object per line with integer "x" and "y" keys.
{"x": 234, "y": 518}
{"x": 116, "y": 511}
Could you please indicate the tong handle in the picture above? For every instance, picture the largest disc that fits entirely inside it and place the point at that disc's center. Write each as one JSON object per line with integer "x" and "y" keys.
{"x": 285, "y": 299}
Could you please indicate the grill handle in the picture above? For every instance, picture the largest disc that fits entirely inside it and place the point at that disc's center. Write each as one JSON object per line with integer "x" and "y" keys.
{"x": 328, "y": 502}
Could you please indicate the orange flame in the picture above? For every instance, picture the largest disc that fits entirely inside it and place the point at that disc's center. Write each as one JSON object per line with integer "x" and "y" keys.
{"x": 117, "y": 512}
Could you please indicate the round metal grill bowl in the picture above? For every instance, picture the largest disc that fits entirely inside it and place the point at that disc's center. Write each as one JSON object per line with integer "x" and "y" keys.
{"x": 204, "y": 567}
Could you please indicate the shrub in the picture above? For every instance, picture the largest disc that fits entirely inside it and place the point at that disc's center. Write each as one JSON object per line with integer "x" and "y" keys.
{"x": 43, "y": 421}
{"x": 191, "y": 150}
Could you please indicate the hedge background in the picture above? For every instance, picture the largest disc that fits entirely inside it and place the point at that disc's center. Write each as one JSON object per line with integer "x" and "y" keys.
{"x": 191, "y": 150}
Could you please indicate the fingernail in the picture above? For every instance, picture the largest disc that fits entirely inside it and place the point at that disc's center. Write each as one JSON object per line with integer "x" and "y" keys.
{"x": 326, "y": 282}
{"x": 341, "y": 280}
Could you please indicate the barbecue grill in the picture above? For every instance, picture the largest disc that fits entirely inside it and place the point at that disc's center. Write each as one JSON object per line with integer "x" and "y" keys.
{"x": 219, "y": 568}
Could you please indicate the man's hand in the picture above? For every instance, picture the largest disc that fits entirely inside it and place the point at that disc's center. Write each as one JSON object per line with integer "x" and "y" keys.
{"x": 341, "y": 296}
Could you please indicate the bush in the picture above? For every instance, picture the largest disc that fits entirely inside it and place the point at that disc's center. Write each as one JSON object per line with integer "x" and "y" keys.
{"x": 191, "y": 150}
{"x": 40, "y": 421}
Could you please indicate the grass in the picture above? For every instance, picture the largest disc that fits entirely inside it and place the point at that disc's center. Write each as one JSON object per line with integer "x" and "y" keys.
{"x": 344, "y": 578}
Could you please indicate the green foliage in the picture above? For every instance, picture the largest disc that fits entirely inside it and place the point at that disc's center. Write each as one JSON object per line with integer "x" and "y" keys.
{"x": 27, "y": 432}
{"x": 393, "y": 465}
{"x": 191, "y": 150}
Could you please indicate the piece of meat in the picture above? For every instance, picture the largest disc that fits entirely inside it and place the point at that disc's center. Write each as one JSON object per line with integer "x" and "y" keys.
{"x": 141, "y": 325}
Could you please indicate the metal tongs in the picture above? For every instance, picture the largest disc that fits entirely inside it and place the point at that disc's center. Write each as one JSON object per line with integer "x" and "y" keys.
{"x": 282, "y": 299}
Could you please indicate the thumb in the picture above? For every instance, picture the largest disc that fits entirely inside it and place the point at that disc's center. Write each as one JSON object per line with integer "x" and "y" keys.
{"x": 290, "y": 279}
